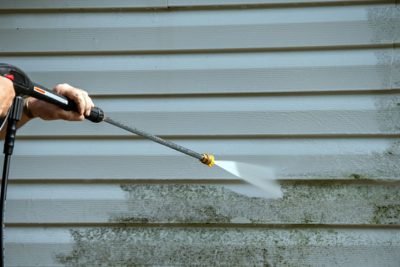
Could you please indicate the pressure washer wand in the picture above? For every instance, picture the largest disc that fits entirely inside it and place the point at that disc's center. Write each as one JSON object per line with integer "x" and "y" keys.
{"x": 207, "y": 159}
{"x": 24, "y": 86}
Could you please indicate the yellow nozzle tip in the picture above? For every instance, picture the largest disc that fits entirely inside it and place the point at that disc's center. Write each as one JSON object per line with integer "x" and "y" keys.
{"x": 208, "y": 159}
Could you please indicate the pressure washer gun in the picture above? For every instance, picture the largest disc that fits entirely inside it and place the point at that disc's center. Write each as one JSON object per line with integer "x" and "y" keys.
{"x": 25, "y": 87}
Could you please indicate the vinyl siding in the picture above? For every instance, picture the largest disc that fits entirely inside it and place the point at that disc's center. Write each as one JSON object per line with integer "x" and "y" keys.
{"x": 310, "y": 88}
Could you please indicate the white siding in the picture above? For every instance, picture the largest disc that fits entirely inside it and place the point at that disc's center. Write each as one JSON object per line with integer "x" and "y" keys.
{"x": 310, "y": 88}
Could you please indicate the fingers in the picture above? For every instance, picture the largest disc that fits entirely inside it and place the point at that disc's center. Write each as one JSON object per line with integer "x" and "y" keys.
{"x": 89, "y": 104}
{"x": 46, "y": 111}
{"x": 68, "y": 115}
{"x": 81, "y": 98}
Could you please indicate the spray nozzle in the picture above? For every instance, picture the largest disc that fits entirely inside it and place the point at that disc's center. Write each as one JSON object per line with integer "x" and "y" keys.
{"x": 208, "y": 159}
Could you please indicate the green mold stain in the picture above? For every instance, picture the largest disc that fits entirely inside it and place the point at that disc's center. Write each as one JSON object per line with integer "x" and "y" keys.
{"x": 211, "y": 213}
{"x": 388, "y": 214}
{"x": 128, "y": 244}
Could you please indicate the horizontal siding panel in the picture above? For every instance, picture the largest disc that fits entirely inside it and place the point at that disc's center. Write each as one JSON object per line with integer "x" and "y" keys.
{"x": 78, "y": 4}
{"x": 396, "y": 69}
{"x": 365, "y": 158}
{"x": 189, "y": 38}
{"x": 195, "y": 3}
{"x": 223, "y": 147}
{"x": 256, "y": 72}
{"x": 239, "y": 116}
{"x": 184, "y": 18}
{"x": 178, "y": 167}
{"x": 258, "y": 29}
{"x": 96, "y": 4}
{"x": 326, "y": 203}
{"x": 252, "y": 123}
{"x": 96, "y": 246}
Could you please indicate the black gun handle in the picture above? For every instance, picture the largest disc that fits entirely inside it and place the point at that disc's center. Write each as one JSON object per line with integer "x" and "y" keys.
{"x": 41, "y": 92}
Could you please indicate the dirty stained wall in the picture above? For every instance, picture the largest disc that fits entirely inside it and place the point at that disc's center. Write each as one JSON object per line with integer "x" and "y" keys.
{"x": 309, "y": 88}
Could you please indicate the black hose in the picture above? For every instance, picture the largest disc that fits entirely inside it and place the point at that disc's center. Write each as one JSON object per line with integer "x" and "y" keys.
{"x": 4, "y": 181}
{"x": 14, "y": 116}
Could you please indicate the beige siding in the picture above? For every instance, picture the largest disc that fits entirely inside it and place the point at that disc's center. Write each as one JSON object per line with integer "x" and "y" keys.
{"x": 309, "y": 88}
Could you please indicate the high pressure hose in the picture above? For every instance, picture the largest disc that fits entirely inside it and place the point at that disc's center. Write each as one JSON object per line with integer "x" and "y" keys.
{"x": 13, "y": 117}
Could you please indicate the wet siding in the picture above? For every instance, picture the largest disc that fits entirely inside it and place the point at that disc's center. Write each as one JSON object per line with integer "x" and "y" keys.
{"x": 310, "y": 88}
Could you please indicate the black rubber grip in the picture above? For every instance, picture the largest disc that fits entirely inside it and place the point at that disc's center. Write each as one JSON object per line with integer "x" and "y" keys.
{"x": 96, "y": 115}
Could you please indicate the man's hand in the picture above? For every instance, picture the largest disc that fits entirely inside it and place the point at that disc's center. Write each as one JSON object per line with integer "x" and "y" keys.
{"x": 7, "y": 94}
{"x": 47, "y": 111}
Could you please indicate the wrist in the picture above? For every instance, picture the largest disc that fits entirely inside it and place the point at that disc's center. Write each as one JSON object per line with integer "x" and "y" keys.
{"x": 27, "y": 110}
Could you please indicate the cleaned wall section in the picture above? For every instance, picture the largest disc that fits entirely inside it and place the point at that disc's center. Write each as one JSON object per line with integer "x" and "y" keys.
{"x": 310, "y": 88}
